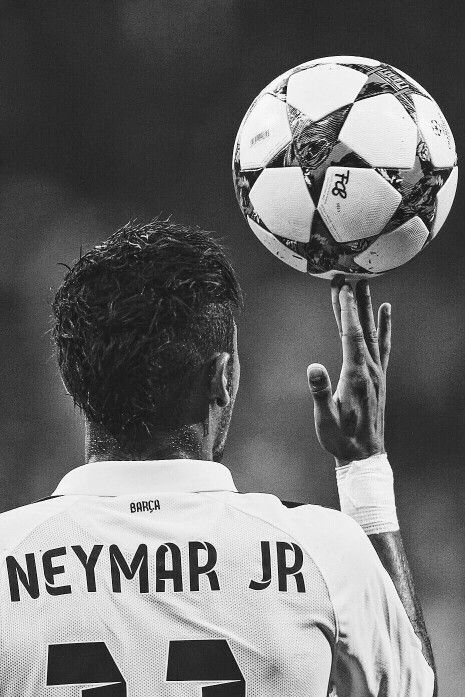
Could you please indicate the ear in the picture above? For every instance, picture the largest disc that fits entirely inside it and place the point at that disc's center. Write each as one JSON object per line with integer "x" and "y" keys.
{"x": 218, "y": 376}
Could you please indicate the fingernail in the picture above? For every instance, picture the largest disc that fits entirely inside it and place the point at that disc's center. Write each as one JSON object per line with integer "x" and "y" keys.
{"x": 316, "y": 380}
{"x": 388, "y": 309}
{"x": 315, "y": 376}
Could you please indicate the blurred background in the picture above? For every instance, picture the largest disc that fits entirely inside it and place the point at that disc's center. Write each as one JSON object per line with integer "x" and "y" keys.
{"x": 111, "y": 111}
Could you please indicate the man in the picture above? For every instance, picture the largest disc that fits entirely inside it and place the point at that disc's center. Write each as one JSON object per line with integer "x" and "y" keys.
{"x": 146, "y": 572}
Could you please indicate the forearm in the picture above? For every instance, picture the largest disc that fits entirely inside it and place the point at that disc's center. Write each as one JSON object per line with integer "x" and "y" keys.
{"x": 390, "y": 550}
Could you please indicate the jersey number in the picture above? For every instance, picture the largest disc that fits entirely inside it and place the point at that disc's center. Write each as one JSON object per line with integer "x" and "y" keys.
{"x": 92, "y": 662}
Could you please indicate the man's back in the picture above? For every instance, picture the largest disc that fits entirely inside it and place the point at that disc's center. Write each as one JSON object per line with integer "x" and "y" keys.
{"x": 159, "y": 578}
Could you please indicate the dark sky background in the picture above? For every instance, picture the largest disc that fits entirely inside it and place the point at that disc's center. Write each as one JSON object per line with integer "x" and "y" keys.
{"x": 116, "y": 110}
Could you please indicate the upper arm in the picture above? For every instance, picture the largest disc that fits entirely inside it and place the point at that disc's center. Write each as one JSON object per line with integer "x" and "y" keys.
{"x": 377, "y": 653}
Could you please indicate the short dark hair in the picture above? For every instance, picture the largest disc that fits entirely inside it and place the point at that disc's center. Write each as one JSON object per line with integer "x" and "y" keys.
{"x": 135, "y": 319}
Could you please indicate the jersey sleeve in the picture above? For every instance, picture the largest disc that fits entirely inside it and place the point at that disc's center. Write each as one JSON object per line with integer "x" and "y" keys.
{"x": 377, "y": 652}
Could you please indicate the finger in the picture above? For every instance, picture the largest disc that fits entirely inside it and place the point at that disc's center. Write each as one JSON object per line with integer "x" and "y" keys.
{"x": 320, "y": 387}
{"x": 384, "y": 334}
{"x": 367, "y": 321}
{"x": 326, "y": 425}
{"x": 319, "y": 382}
{"x": 336, "y": 284}
{"x": 353, "y": 341}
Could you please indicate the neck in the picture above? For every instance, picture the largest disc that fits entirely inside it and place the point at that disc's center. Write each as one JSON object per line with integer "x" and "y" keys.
{"x": 185, "y": 442}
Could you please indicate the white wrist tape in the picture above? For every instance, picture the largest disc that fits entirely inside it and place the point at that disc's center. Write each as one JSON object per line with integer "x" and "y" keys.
{"x": 366, "y": 493}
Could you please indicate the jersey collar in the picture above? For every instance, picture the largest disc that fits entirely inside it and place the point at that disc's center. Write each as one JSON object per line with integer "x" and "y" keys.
{"x": 119, "y": 477}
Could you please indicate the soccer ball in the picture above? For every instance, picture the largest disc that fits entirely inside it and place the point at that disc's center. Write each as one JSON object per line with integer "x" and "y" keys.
{"x": 345, "y": 165}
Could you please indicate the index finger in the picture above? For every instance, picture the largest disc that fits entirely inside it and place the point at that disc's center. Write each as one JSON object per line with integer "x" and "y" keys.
{"x": 384, "y": 329}
{"x": 336, "y": 284}
{"x": 353, "y": 340}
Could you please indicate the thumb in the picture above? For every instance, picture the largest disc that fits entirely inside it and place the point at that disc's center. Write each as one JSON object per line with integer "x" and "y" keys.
{"x": 319, "y": 383}
{"x": 326, "y": 425}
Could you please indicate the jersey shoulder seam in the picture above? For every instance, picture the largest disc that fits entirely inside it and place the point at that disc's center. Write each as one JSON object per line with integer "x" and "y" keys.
{"x": 21, "y": 539}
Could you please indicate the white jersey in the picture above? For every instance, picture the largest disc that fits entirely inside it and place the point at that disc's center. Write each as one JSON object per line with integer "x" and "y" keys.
{"x": 159, "y": 579}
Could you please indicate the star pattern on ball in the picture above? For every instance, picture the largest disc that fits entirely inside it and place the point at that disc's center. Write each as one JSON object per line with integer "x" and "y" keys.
{"x": 345, "y": 165}
{"x": 382, "y": 79}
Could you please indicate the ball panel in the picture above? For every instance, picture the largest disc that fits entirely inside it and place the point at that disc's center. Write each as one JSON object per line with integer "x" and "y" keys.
{"x": 436, "y": 132}
{"x": 281, "y": 198}
{"x": 394, "y": 248}
{"x": 380, "y": 130}
{"x": 346, "y": 60}
{"x": 384, "y": 79}
{"x": 264, "y": 132}
{"x": 356, "y": 203}
{"x": 444, "y": 199}
{"x": 277, "y": 248}
{"x": 320, "y": 90}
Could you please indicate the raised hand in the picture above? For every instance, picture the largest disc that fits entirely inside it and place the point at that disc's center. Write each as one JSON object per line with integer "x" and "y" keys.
{"x": 350, "y": 423}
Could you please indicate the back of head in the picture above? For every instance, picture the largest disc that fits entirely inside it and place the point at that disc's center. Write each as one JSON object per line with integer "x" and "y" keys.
{"x": 136, "y": 318}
